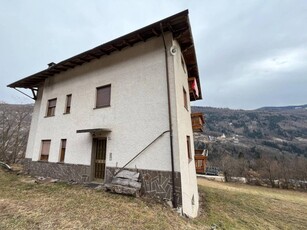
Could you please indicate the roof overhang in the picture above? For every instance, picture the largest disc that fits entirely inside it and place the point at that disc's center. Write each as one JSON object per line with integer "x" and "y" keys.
{"x": 178, "y": 25}
{"x": 94, "y": 131}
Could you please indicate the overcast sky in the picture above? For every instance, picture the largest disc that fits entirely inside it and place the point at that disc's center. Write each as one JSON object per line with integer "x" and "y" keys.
{"x": 250, "y": 53}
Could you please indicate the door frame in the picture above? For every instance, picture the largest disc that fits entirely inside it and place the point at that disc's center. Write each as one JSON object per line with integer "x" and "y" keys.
{"x": 94, "y": 143}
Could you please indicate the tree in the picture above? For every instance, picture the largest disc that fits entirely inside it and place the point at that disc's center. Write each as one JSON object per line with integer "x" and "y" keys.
{"x": 14, "y": 129}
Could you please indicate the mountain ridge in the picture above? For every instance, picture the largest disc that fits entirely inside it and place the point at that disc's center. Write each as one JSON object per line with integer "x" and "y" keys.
{"x": 278, "y": 129}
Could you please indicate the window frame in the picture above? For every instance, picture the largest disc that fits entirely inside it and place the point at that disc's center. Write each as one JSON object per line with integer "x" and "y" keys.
{"x": 51, "y": 109}
{"x": 185, "y": 99}
{"x": 68, "y": 104}
{"x": 42, "y": 149}
{"x": 62, "y": 150}
{"x": 189, "y": 152}
{"x": 108, "y": 104}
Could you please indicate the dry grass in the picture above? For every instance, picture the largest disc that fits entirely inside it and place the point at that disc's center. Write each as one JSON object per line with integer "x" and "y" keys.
{"x": 26, "y": 205}
{"x": 239, "y": 206}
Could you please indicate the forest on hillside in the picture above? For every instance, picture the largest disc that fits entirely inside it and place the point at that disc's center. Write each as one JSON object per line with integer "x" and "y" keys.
{"x": 264, "y": 145}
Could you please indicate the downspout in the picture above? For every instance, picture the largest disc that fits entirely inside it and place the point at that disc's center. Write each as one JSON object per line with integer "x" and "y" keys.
{"x": 174, "y": 200}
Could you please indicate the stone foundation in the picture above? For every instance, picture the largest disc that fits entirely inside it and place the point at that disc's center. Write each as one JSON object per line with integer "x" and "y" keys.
{"x": 62, "y": 171}
{"x": 155, "y": 184}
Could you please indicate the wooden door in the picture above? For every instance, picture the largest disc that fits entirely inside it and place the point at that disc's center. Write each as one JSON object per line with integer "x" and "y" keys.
{"x": 100, "y": 147}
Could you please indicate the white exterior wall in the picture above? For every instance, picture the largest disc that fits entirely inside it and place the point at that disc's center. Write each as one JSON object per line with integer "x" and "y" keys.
{"x": 138, "y": 104}
{"x": 183, "y": 129}
{"x": 137, "y": 115}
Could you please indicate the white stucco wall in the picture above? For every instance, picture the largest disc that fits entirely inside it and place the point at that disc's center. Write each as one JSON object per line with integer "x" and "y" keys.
{"x": 137, "y": 115}
{"x": 183, "y": 129}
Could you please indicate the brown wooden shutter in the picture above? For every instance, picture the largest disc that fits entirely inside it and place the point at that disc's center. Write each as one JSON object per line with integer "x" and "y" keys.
{"x": 68, "y": 103}
{"x": 103, "y": 96}
{"x": 45, "y": 150}
{"x": 185, "y": 99}
{"x": 52, "y": 103}
{"x": 63, "y": 150}
{"x": 45, "y": 147}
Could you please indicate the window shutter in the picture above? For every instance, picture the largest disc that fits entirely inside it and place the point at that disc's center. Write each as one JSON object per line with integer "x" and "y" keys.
{"x": 103, "y": 96}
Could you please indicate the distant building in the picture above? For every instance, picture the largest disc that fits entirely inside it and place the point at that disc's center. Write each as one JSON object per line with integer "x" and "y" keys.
{"x": 95, "y": 112}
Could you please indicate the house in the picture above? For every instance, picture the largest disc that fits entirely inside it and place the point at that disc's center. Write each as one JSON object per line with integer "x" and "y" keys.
{"x": 122, "y": 104}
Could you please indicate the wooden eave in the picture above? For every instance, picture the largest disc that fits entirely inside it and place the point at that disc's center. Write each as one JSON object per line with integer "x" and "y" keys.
{"x": 178, "y": 25}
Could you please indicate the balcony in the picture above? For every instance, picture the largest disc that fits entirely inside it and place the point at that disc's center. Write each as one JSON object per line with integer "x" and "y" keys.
{"x": 200, "y": 158}
{"x": 197, "y": 122}
{"x": 193, "y": 89}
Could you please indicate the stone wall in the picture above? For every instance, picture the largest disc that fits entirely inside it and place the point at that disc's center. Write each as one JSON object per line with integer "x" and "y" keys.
{"x": 66, "y": 172}
{"x": 155, "y": 184}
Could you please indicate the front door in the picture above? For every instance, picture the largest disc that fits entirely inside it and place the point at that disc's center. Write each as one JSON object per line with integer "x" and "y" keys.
{"x": 100, "y": 147}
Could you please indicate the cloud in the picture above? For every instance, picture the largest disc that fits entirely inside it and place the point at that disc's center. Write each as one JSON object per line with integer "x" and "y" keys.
{"x": 250, "y": 53}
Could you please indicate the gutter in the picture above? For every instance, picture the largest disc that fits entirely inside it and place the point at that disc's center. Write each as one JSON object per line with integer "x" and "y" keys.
{"x": 174, "y": 200}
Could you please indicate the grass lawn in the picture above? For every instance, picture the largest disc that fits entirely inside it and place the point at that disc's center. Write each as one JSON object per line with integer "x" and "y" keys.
{"x": 240, "y": 206}
{"x": 26, "y": 205}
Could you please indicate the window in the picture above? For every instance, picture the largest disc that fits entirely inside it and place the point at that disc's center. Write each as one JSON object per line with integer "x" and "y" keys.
{"x": 185, "y": 99}
{"x": 62, "y": 150}
{"x": 45, "y": 150}
{"x": 103, "y": 96}
{"x": 68, "y": 103}
{"x": 189, "y": 147}
{"x": 51, "y": 107}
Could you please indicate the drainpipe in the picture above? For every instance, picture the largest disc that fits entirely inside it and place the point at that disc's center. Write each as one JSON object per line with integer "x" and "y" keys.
{"x": 174, "y": 201}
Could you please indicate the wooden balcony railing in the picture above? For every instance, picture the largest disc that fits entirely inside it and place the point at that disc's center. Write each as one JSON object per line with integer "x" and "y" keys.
{"x": 200, "y": 163}
{"x": 197, "y": 122}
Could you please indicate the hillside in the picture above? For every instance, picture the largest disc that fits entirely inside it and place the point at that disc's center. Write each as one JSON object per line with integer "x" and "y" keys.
{"x": 275, "y": 129}
{"x": 267, "y": 145}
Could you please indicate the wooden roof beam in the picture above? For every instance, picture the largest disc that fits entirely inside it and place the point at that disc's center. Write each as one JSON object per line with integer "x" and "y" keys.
{"x": 155, "y": 32}
{"x": 104, "y": 52}
{"x": 115, "y": 47}
{"x": 184, "y": 49}
{"x": 140, "y": 37}
{"x": 68, "y": 66}
{"x": 191, "y": 66}
{"x": 94, "y": 56}
{"x": 170, "y": 28}
{"x": 53, "y": 71}
{"x": 127, "y": 43}
{"x": 84, "y": 59}
{"x": 60, "y": 68}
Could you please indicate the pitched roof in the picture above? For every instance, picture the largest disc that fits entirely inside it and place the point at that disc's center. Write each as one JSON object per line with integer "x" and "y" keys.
{"x": 177, "y": 24}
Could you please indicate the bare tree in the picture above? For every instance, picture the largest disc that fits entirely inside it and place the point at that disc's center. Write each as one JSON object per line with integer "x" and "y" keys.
{"x": 268, "y": 168}
{"x": 14, "y": 129}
